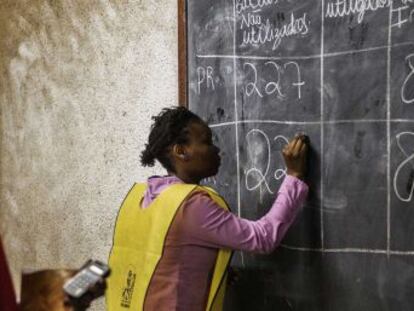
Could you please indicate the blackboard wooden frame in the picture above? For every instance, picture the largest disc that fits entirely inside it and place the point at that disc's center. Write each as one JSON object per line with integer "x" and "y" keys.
{"x": 182, "y": 54}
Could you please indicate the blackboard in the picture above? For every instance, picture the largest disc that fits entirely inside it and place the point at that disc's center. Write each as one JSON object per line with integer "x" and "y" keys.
{"x": 342, "y": 71}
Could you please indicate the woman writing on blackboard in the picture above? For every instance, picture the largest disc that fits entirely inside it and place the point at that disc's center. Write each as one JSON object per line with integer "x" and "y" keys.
{"x": 173, "y": 238}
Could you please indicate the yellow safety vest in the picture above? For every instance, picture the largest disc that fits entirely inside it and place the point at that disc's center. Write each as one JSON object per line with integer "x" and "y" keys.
{"x": 138, "y": 245}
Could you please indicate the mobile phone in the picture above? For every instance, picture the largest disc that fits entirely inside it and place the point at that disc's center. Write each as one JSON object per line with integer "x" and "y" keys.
{"x": 90, "y": 274}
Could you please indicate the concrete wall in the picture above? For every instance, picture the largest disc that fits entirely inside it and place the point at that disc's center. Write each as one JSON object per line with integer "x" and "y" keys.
{"x": 79, "y": 81}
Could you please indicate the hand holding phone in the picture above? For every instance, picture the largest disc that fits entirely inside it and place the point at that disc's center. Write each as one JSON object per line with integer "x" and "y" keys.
{"x": 87, "y": 284}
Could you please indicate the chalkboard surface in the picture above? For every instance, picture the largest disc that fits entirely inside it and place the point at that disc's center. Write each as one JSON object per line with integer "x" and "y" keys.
{"x": 342, "y": 71}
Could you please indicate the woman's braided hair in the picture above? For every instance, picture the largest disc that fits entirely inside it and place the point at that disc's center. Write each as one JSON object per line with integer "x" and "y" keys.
{"x": 170, "y": 127}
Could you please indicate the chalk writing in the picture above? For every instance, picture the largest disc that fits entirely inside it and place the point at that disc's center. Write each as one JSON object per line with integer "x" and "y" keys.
{"x": 205, "y": 76}
{"x": 274, "y": 86}
{"x": 299, "y": 83}
{"x": 254, "y": 173}
{"x": 210, "y": 180}
{"x": 257, "y": 32}
{"x": 409, "y": 80}
{"x": 280, "y": 172}
{"x": 250, "y": 20}
{"x": 404, "y": 14}
{"x": 259, "y": 143}
{"x": 251, "y": 87}
{"x": 341, "y": 8}
{"x": 244, "y": 5}
{"x": 408, "y": 163}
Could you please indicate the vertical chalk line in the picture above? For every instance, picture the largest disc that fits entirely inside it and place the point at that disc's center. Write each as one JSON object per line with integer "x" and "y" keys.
{"x": 388, "y": 99}
{"x": 322, "y": 119}
{"x": 235, "y": 114}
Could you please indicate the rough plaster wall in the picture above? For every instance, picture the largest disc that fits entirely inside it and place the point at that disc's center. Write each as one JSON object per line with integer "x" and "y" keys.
{"x": 79, "y": 81}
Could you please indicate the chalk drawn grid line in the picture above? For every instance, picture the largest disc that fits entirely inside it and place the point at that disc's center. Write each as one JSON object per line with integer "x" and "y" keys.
{"x": 316, "y": 123}
{"x": 305, "y": 57}
{"x": 322, "y": 126}
{"x": 388, "y": 99}
{"x": 235, "y": 114}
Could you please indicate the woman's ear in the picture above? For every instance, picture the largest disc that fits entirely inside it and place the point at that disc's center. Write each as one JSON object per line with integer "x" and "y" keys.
{"x": 179, "y": 152}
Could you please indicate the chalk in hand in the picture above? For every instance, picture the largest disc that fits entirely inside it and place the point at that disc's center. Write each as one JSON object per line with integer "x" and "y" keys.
{"x": 303, "y": 137}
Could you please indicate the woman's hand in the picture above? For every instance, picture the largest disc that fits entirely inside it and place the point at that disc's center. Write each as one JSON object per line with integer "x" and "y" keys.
{"x": 295, "y": 155}
{"x": 84, "y": 303}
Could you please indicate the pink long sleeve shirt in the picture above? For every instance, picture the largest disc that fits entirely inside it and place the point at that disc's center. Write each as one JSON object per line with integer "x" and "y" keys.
{"x": 182, "y": 278}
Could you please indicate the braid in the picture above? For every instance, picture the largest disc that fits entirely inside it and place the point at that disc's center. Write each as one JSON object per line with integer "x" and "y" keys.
{"x": 169, "y": 127}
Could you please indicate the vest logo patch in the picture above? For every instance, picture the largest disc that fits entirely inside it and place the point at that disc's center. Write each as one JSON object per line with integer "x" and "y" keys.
{"x": 128, "y": 290}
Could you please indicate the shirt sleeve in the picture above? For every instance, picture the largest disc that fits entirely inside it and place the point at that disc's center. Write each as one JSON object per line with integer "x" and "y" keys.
{"x": 209, "y": 225}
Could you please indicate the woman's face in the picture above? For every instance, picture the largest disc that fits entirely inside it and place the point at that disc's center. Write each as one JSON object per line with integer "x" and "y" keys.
{"x": 201, "y": 156}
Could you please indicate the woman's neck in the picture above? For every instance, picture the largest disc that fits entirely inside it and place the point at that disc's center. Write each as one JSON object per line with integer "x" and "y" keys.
{"x": 186, "y": 178}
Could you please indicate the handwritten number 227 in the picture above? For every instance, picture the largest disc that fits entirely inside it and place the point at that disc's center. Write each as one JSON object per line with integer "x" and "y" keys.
{"x": 274, "y": 86}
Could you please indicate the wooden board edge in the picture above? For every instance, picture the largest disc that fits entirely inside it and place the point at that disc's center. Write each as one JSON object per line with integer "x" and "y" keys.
{"x": 182, "y": 54}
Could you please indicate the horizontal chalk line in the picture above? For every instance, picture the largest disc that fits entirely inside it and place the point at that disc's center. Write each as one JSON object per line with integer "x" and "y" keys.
{"x": 312, "y": 122}
{"x": 312, "y": 56}
{"x": 349, "y": 250}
